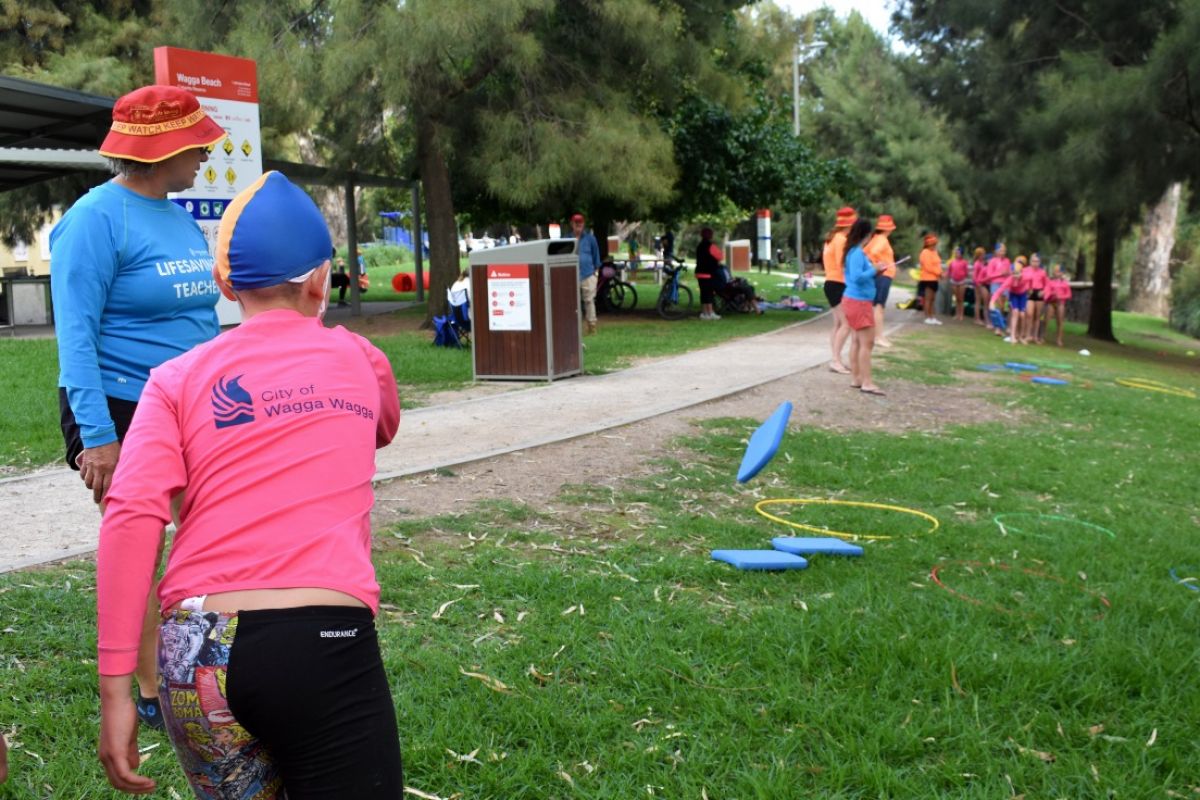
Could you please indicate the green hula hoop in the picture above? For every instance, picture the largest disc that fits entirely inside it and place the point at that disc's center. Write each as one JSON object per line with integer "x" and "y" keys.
{"x": 999, "y": 520}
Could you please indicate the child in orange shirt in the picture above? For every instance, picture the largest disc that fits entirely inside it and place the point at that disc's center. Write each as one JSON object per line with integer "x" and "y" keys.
{"x": 879, "y": 250}
{"x": 931, "y": 271}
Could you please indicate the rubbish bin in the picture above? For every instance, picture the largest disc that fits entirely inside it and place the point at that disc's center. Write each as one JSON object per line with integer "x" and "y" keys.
{"x": 27, "y": 301}
{"x": 737, "y": 255}
{"x": 525, "y": 322}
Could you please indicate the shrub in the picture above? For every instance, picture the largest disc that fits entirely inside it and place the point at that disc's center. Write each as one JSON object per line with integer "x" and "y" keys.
{"x": 1185, "y": 302}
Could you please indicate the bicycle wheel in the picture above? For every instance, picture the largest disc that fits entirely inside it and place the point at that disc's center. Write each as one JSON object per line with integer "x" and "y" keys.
{"x": 674, "y": 307}
{"x": 604, "y": 302}
{"x": 623, "y": 296}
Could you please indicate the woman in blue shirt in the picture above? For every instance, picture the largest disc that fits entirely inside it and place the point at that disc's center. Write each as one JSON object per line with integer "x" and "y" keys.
{"x": 857, "y": 304}
{"x": 131, "y": 278}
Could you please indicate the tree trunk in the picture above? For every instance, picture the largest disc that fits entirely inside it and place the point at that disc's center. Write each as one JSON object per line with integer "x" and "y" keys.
{"x": 1100, "y": 319}
{"x": 1150, "y": 283}
{"x": 439, "y": 217}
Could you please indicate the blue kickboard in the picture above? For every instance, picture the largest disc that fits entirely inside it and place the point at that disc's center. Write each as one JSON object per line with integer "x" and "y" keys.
{"x": 1017, "y": 365}
{"x": 989, "y": 367}
{"x": 815, "y": 545}
{"x": 1048, "y": 381}
{"x": 759, "y": 559}
{"x": 764, "y": 443}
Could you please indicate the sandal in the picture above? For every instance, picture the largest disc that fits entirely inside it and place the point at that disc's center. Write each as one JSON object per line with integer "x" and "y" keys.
{"x": 874, "y": 390}
{"x": 149, "y": 712}
{"x": 840, "y": 369}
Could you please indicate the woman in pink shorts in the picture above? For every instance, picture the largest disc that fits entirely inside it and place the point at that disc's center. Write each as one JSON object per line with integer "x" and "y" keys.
{"x": 858, "y": 306}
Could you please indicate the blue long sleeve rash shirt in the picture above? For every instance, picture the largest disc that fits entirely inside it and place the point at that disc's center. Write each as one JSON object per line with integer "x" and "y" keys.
{"x": 131, "y": 279}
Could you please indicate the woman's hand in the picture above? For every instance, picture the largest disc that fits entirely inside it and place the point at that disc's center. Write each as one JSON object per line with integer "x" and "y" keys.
{"x": 96, "y": 467}
{"x": 118, "y": 736}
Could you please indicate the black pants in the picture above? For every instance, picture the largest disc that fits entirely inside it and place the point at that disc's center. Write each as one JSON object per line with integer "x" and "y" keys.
{"x": 307, "y": 704}
{"x": 121, "y": 412}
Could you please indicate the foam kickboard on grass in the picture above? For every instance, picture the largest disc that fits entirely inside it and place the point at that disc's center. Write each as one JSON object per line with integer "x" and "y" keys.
{"x": 815, "y": 545}
{"x": 760, "y": 559}
{"x": 764, "y": 443}
{"x": 1020, "y": 366}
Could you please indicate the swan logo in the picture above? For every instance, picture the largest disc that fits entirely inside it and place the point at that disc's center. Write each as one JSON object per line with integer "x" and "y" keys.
{"x": 232, "y": 405}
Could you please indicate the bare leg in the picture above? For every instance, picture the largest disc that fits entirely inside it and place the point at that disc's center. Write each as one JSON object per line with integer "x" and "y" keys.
{"x": 837, "y": 340}
{"x": 929, "y": 295}
{"x": 866, "y": 345}
{"x": 880, "y": 339}
{"x": 1059, "y": 311}
{"x": 855, "y": 360}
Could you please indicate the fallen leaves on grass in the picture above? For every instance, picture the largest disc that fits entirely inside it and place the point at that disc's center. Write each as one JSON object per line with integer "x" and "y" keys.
{"x": 1153, "y": 738}
{"x": 465, "y": 757}
{"x": 494, "y": 684}
{"x": 1049, "y": 758}
{"x": 428, "y": 796}
{"x": 541, "y": 677}
{"x": 954, "y": 680}
{"x": 442, "y": 608}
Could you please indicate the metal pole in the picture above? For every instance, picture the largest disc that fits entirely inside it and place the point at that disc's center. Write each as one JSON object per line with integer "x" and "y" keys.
{"x": 418, "y": 263}
{"x": 352, "y": 248}
{"x": 796, "y": 133}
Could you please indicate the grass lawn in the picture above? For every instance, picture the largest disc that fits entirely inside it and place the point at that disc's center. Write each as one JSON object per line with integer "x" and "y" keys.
{"x": 594, "y": 650}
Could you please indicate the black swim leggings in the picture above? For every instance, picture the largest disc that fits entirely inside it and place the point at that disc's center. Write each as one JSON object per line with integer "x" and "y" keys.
{"x": 308, "y": 704}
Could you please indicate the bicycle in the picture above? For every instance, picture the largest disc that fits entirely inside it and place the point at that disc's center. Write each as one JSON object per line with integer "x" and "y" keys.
{"x": 674, "y": 299}
{"x": 612, "y": 293}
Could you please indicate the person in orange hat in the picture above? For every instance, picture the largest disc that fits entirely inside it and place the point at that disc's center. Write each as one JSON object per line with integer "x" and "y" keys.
{"x": 132, "y": 287}
{"x": 833, "y": 257}
{"x": 931, "y": 272}
{"x": 879, "y": 250}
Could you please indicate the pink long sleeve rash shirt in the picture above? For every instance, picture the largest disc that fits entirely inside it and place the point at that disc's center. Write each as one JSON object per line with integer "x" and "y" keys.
{"x": 270, "y": 430}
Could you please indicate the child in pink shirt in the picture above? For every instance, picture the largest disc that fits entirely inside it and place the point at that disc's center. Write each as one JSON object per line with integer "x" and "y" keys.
{"x": 958, "y": 272}
{"x": 1056, "y": 295}
{"x": 979, "y": 283}
{"x": 1035, "y": 276}
{"x": 1016, "y": 289}
{"x": 998, "y": 268}
{"x": 272, "y": 450}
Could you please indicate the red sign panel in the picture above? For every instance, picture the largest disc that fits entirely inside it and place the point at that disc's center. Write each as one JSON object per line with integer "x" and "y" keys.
{"x": 207, "y": 74}
{"x": 507, "y": 271}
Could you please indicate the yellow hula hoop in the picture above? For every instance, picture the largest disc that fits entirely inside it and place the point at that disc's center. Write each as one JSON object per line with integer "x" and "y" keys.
{"x": 1155, "y": 386}
{"x": 759, "y": 506}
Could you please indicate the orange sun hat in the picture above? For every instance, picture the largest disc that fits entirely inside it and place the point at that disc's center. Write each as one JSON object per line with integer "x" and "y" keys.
{"x": 846, "y": 216}
{"x": 930, "y": 240}
{"x": 885, "y": 223}
{"x": 153, "y": 123}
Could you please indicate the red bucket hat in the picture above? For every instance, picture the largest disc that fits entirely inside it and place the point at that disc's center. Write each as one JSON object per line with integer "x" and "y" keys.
{"x": 846, "y": 216}
{"x": 885, "y": 223}
{"x": 153, "y": 123}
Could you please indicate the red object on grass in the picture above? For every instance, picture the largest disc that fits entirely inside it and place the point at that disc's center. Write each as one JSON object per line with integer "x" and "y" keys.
{"x": 407, "y": 282}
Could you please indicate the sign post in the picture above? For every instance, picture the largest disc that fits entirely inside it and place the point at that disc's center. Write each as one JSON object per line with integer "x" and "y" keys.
{"x": 227, "y": 88}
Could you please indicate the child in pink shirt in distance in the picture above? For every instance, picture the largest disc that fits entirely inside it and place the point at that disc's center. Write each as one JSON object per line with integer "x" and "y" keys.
{"x": 958, "y": 272}
{"x": 1036, "y": 277}
{"x": 979, "y": 281}
{"x": 998, "y": 268}
{"x": 1056, "y": 295}
{"x": 1016, "y": 289}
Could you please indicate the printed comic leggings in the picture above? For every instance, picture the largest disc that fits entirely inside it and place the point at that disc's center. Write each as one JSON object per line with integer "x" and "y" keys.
{"x": 287, "y": 704}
